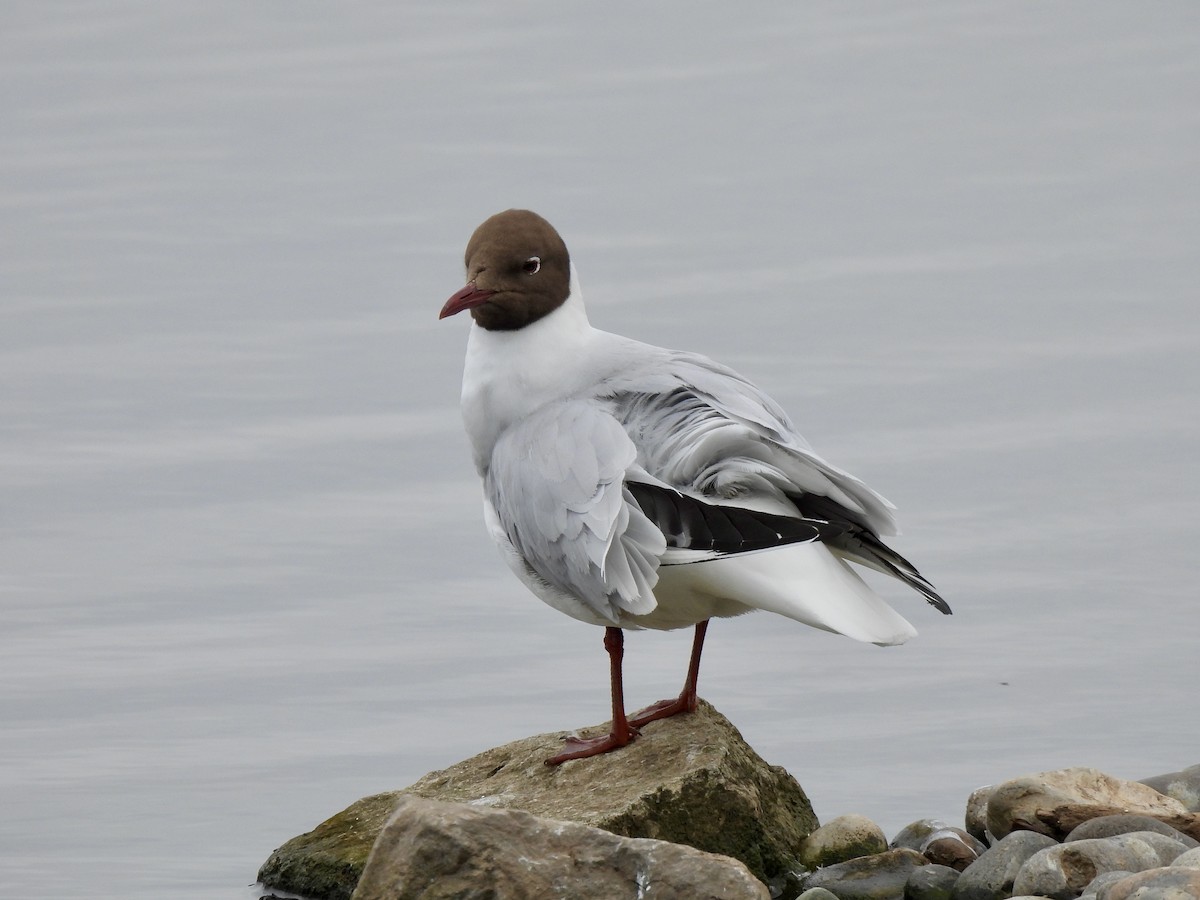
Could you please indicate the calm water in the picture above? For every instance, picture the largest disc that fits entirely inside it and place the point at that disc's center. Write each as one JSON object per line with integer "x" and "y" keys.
{"x": 244, "y": 578}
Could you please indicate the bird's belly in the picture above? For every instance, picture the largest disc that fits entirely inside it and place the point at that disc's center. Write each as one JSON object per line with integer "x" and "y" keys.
{"x": 683, "y": 601}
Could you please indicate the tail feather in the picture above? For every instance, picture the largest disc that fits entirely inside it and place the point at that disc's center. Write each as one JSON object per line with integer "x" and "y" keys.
{"x": 803, "y": 581}
{"x": 858, "y": 543}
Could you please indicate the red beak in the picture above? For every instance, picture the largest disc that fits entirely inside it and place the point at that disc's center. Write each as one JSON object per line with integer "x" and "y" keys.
{"x": 468, "y": 298}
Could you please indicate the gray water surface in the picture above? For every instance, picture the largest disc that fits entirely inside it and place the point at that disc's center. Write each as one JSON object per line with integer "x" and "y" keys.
{"x": 243, "y": 575}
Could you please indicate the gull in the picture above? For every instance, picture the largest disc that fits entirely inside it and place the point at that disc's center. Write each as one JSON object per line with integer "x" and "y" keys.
{"x": 631, "y": 486}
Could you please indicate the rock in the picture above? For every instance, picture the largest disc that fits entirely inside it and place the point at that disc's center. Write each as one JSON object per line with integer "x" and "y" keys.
{"x": 434, "y": 849}
{"x": 1168, "y": 848}
{"x": 1171, "y": 883}
{"x": 1053, "y": 803}
{"x": 818, "y": 893}
{"x": 991, "y": 876}
{"x": 1183, "y": 786}
{"x": 1190, "y": 859}
{"x": 1098, "y": 884}
{"x": 1107, "y": 826}
{"x": 939, "y": 843}
{"x": 689, "y": 779}
{"x": 878, "y": 877}
{"x": 932, "y": 882}
{"x": 1063, "y": 871}
{"x": 953, "y": 848}
{"x": 975, "y": 819}
{"x": 914, "y": 835}
{"x": 1068, "y": 818}
{"x": 840, "y": 839}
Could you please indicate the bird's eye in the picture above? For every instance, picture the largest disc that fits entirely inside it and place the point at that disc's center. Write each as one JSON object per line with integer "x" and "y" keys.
{"x": 532, "y": 265}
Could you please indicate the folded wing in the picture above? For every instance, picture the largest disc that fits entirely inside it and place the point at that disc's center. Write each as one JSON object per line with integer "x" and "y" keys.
{"x": 706, "y": 431}
{"x": 557, "y": 485}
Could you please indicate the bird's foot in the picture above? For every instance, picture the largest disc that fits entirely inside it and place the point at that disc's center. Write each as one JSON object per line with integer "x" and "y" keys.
{"x": 663, "y": 709}
{"x": 581, "y": 748}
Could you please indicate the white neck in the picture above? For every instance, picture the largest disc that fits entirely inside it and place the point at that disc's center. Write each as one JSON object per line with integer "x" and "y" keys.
{"x": 509, "y": 374}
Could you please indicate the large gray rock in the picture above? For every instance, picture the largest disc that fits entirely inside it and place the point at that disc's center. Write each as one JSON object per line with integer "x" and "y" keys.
{"x": 991, "y": 877}
{"x": 689, "y": 779}
{"x": 434, "y": 850}
{"x": 1065, "y": 870}
{"x": 1056, "y": 802}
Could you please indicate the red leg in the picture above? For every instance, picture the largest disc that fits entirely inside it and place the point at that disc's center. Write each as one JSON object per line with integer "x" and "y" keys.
{"x": 686, "y": 701}
{"x": 622, "y": 733}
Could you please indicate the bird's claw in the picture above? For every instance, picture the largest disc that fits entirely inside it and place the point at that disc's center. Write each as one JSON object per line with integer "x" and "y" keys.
{"x": 581, "y": 748}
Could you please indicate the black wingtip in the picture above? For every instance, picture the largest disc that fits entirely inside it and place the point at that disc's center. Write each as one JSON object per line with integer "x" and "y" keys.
{"x": 938, "y": 603}
{"x": 693, "y": 524}
{"x": 916, "y": 580}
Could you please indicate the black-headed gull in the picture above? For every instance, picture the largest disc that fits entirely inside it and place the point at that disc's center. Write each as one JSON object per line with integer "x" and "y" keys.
{"x": 631, "y": 486}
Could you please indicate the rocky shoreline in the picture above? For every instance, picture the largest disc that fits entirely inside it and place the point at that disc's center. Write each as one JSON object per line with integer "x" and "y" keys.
{"x": 691, "y": 811}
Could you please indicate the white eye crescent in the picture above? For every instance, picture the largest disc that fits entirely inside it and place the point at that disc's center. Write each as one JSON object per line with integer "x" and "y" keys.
{"x": 532, "y": 265}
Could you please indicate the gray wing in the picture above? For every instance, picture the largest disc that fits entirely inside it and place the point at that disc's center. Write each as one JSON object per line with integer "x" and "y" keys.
{"x": 557, "y": 483}
{"x": 706, "y": 431}
{"x": 702, "y": 427}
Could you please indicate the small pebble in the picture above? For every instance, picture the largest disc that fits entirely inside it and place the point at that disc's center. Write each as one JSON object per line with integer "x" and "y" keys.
{"x": 1101, "y": 881}
{"x": 878, "y": 877}
{"x": 1190, "y": 859}
{"x": 818, "y": 893}
{"x": 841, "y": 839}
{"x": 1109, "y": 826}
{"x": 1184, "y": 786}
{"x": 932, "y": 882}
{"x": 992, "y": 875}
{"x": 1169, "y": 883}
{"x": 976, "y": 815}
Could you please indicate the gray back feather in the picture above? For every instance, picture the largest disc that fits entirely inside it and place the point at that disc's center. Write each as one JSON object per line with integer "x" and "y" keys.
{"x": 701, "y": 427}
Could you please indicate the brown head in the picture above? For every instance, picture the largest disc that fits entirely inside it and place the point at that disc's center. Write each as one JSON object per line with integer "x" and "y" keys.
{"x": 518, "y": 270}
